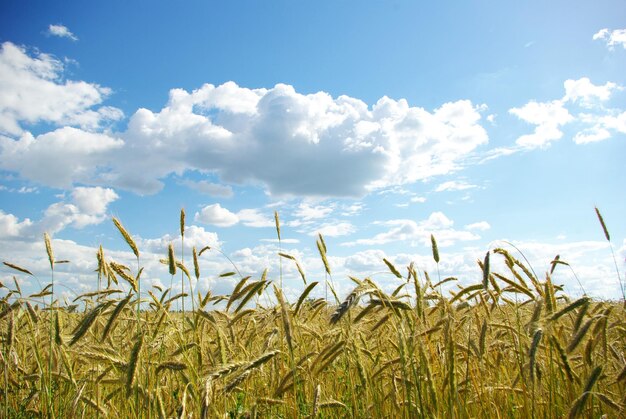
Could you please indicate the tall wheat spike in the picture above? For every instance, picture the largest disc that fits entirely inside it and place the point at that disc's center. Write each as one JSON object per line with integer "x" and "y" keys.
{"x": 392, "y": 268}
{"x": 533, "y": 353}
{"x": 608, "y": 239}
{"x": 435, "y": 249}
{"x": 486, "y": 271}
{"x": 579, "y": 404}
{"x": 604, "y": 229}
{"x": 322, "y": 252}
{"x": 132, "y": 364}
{"x": 196, "y": 265}
{"x": 127, "y": 237}
{"x": 49, "y": 251}
{"x": 285, "y": 316}
{"x": 171, "y": 261}
{"x": 277, "y": 223}
{"x": 350, "y": 301}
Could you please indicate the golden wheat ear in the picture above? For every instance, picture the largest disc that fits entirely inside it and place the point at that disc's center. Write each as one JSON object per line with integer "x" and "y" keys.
{"x": 127, "y": 237}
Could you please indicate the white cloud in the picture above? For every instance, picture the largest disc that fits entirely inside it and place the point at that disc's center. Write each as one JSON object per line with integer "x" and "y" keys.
{"x": 601, "y": 34}
{"x": 612, "y": 38}
{"x": 254, "y": 218}
{"x": 314, "y": 137}
{"x": 93, "y": 200}
{"x": 352, "y": 210}
{"x": 480, "y": 226}
{"x": 208, "y": 188}
{"x": 367, "y": 261}
{"x": 334, "y": 229}
{"x": 548, "y": 118}
{"x": 10, "y": 226}
{"x": 615, "y": 122}
{"x": 199, "y": 237}
{"x": 26, "y": 190}
{"x": 305, "y": 142}
{"x": 591, "y": 135}
{"x": 307, "y": 212}
{"x": 195, "y": 236}
{"x": 585, "y": 92}
{"x": 216, "y": 215}
{"x": 437, "y": 220}
{"x": 33, "y": 91}
{"x": 454, "y": 185}
{"x": 437, "y": 224}
{"x": 87, "y": 206}
{"x": 61, "y": 31}
{"x": 418, "y": 199}
{"x": 600, "y": 126}
{"x": 60, "y": 158}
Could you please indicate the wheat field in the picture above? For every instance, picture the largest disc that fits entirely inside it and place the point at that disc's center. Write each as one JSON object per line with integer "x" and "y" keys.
{"x": 512, "y": 344}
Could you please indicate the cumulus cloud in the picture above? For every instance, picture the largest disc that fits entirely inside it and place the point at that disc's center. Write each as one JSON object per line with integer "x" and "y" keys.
{"x": 437, "y": 224}
{"x": 612, "y": 37}
{"x": 86, "y": 206}
{"x": 11, "y": 226}
{"x": 310, "y": 139}
{"x": 334, "y": 229}
{"x": 60, "y": 158}
{"x": 62, "y": 32}
{"x": 195, "y": 236}
{"x": 254, "y": 218}
{"x": 615, "y": 122}
{"x": 601, "y": 126}
{"x": 290, "y": 143}
{"x": 585, "y": 92}
{"x": 367, "y": 261}
{"x": 33, "y": 91}
{"x": 93, "y": 200}
{"x": 216, "y": 215}
{"x": 548, "y": 118}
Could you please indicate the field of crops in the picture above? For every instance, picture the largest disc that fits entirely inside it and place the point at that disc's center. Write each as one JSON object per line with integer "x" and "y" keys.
{"x": 510, "y": 345}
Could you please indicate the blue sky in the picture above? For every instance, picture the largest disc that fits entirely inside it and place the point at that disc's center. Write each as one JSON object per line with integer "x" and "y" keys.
{"x": 375, "y": 123}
